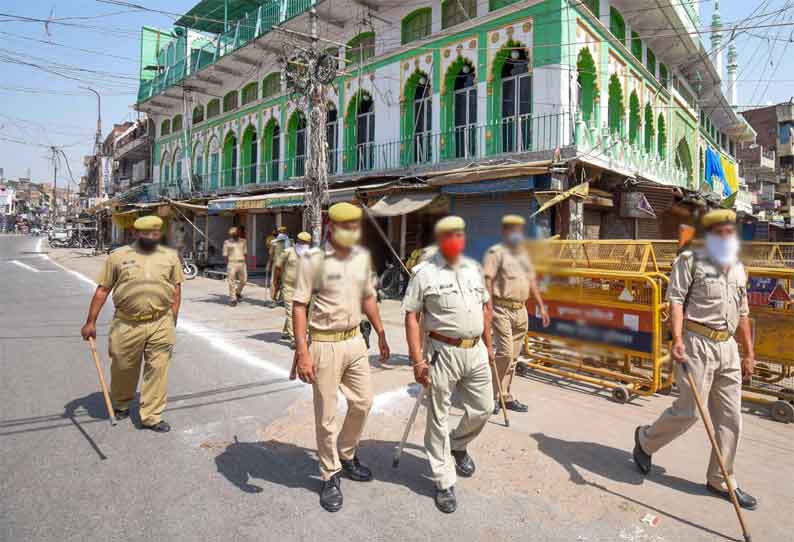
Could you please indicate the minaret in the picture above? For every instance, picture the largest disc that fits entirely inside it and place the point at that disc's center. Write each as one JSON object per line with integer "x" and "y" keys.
{"x": 733, "y": 66}
{"x": 716, "y": 38}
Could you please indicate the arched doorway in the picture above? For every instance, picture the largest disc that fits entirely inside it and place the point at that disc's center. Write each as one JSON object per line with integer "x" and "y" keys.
{"x": 230, "y": 159}
{"x": 616, "y": 110}
{"x": 586, "y": 69}
{"x": 634, "y": 119}
{"x": 417, "y": 118}
{"x": 683, "y": 158}
{"x": 360, "y": 132}
{"x": 661, "y": 143}
{"x": 649, "y": 131}
{"x": 464, "y": 110}
{"x": 271, "y": 151}
{"x": 296, "y": 144}
{"x": 516, "y": 101}
{"x": 249, "y": 154}
{"x": 165, "y": 169}
{"x": 332, "y": 136}
{"x": 198, "y": 166}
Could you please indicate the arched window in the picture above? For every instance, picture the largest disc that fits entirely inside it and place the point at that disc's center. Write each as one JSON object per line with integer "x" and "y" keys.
{"x": 198, "y": 165}
{"x": 213, "y": 108}
{"x": 230, "y": 160}
{"x": 250, "y": 93}
{"x": 198, "y": 114}
{"x": 296, "y": 145}
{"x": 454, "y": 12}
{"x": 422, "y": 120}
{"x": 230, "y": 101}
{"x": 661, "y": 144}
{"x": 332, "y": 135}
{"x": 683, "y": 158}
{"x": 634, "y": 118}
{"x": 649, "y": 132}
{"x": 214, "y": 164}
{"x": 616, "y": 111}
{"x": 271, "y": 151}
{"x": 177, "y": 169}
{"x": 176, "y": 124}
{"x": 271, "y": 85}
{"x": 365, "y": 133}
{"x": 587, "y": 84}
{"x": 617, "y": 25}
{"x": 249, "y": 154}
{"x": 465, "y": 111}
{"x": 417, "y": 25}
{"x": 165, "y": 169}
{"x": 165, "y": 127}
{"x": 650, "y": 61}
{"x": 361, "y": 48}
{"x": 516, "y": 102}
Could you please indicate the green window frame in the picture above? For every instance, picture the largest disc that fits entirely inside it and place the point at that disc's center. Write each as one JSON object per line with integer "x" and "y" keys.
{"x": 650, "y": 62}
{"x": 499, "y": 4}
{"x": 454, "y": 12}
{"x": 230, "y": 101}
{"x": 616, "y": 110}
{"x": 213, "y": 108}
{"x": 594, "y": 6}
{"x": 636, "y": 46}
{"x": 176, "y": 124}
{"x": 271, "y": 85}
{"x": 360, "y": 48}
{"x": 664, "y": 76}
{"x": 634, "y": 119}
{"x": 165, "y": 127}
{"x": 617, "y": 25}
{"x": 588, "y": 86}
{"x": 649, "y": 131}
{"x": 417, "y": 25}
{"x": 198, "y": 114}
{"x": 250, "y": 93}
{"x": 661, "y": 142}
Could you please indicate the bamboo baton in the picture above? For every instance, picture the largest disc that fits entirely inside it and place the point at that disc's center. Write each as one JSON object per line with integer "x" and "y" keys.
{"x": 501, "y": 395}
{"x": 95, "y": 357}
{"x": 710, "y": 431}
{"x": 422, "y": 393}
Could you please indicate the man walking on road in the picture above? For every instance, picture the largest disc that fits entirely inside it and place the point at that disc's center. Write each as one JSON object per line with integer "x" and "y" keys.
{"x": 448, "y": 294}
{"x": 145, "y": 279}
{"x": 275, "y": 250}
{"x": 235, "y": 251}
{"x": 708, "y": 305}
{"x": 510, "y": 279}
{"x": 284, "y": 275}
{"x": 331, "y": 354}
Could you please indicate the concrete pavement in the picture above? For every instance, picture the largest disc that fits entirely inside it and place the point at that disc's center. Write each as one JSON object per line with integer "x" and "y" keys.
{"x": 239, "y": 464}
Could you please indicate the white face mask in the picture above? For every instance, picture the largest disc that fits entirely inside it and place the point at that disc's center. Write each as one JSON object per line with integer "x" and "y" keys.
{"x": 301, "y": 249}
{"x": 723, "y": 250}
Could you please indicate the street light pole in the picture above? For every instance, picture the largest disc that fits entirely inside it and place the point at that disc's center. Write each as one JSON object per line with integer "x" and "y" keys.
{"x": 98, "y": 141}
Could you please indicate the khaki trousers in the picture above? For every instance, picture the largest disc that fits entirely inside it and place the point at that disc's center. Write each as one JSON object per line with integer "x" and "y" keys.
{"x": 236, "y": 277}
{"x": 288, "y": 292}
{"x": 467, "y": 372}
{"x": 130, "y": 343}
{"x": 509, "y": 329}
{"x": 340, "y": 366}
{"x": 716, "y": 370}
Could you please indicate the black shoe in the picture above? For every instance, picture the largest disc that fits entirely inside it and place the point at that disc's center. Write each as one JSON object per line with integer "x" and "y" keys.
{"x": 331, "y": 494}
{"x": 497, "y": 408}
{"x": 446, "y": 500}
{"x": 521, "y": 368}
{"x": 159, "y": 427}
{"x": 121, "y": 414}
{"x": 745, "y": 499}
{"x": 641, "y": 458}
{"x": 516, "y": 406}
{"x": 354, "y": 470}
{"x": 233, "y": 303}
{"x": 464, "y": 464}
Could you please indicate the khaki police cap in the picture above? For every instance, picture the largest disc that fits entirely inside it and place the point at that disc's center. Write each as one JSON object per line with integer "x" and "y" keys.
{"x": 513, "y": 220}
{"x": 344, "y": 212}
{"x": 232, "y": 231}
{"x": 719, "y": 216}
{"x": 282, "y": 229}
{"x": 306, "y": 237}
{"x": 450, "y": 223}
{"x": 148, "y": 223}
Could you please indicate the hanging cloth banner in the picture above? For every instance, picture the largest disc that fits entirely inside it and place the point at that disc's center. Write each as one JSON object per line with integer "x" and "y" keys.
{"x": 732, "y": 178}
{"x": 714, "y": 172}
{"x": 580, "y": 190}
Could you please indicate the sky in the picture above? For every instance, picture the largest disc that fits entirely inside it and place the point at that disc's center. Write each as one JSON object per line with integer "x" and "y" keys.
{"x": 40, "y": 109}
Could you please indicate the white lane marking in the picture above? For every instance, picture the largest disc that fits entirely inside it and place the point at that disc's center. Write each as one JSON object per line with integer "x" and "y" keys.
{"x": 25, "y": 266}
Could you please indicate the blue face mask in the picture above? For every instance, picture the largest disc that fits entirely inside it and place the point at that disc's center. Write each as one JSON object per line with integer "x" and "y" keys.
{"x": 514, "y": 238}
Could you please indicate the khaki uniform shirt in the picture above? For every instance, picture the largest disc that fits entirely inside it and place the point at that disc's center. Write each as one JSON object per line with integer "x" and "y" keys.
{"x": 142, "y": 283}
{"x": 449, "y": 299}
{"x": 235, "y": 251}
{"x": 710, "y": 297}
{"x": 511, "y": 272}
{"x": 275, "y": 251}
{"x": 288, "y": 263}
{"x": 335, "y": 286}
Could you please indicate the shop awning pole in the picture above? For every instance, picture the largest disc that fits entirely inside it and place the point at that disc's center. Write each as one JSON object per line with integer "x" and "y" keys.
{"x": 385, "y": 238}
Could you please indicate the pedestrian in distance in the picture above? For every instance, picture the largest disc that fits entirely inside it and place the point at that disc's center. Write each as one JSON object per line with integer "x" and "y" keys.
{"x": 145, "y": 279}
{"x": 448, "y": 294}
{"x": 285, "y": 273}
{"x": 330, "y": 352}
{"x": 269, "y": 266}
{"x": 510, "y": 279}
{"x": 708, "y": 306}
{"x": 277, "y": 247}
{"x": 235, "y": 251}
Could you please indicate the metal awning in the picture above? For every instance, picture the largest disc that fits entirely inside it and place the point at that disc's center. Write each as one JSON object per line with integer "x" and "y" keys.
{"x": 263, "y": 201}
{"x": 402, "y": 204}
{"x": 212, "y": 15}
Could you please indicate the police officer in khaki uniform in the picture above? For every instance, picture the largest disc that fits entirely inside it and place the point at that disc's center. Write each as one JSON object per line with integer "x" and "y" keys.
{"x": 708, "y": 305}
{"x": 277, "y": 246}
{"x": 284, "y": 275}
{"x": 510, "y": 279}
{"x": 331, "y": 354}
{"x": 235, "y": 251}
{"x": 448, "y": 294}
{"x": 145, "y": 279}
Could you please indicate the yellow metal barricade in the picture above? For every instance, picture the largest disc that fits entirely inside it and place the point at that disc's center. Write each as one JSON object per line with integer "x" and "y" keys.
{"x": 606, "y": 324}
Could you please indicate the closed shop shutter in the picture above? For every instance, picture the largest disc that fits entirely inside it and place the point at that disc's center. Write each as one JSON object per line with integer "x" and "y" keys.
{"x": 483, "y": 216}
{"x": 648, "y": 229}
{"x": 592, "y": 224}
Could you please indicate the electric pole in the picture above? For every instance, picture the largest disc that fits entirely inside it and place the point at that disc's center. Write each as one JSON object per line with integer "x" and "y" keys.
{"x": 54, "y": 185}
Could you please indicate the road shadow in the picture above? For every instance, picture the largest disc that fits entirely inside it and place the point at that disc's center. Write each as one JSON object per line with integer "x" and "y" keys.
{"x": 218, "y": 299}
{"x": 395, "y": 360}
{"x": 269, "y": 337}
{"x": 92, "y": 405}
{"x": 245, "y": 464}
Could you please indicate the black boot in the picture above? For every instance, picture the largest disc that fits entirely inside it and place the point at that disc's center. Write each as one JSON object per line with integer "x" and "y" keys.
{"x": 446, "y": 500}
{"x": 160, "y": 427}
{"x": 641, "y": 458}
{"x": 464, "y": 464}
{"x": 354, "y": 470}
{"x": 120, "y": 414}
{"x": 331, "y": 494}
{"x": 516, "y": 406}
{"x": 745, "y": 499}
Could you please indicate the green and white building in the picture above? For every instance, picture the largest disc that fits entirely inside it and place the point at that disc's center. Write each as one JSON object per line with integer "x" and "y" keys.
{"x": 620, "y": 93}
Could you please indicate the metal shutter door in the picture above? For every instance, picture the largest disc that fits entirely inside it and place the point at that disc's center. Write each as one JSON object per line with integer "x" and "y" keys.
{"x": 483, "y": 216}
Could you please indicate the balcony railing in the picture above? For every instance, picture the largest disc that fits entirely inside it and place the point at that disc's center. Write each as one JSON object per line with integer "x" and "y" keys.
{"x": 251, "y": 26}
